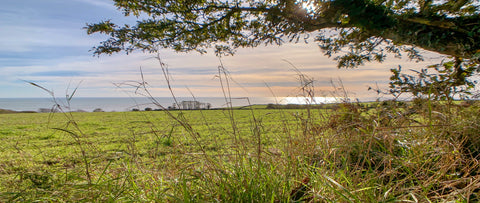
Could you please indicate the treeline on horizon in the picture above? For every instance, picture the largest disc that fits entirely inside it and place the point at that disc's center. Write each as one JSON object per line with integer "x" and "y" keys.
{"x": 332, "y": 106}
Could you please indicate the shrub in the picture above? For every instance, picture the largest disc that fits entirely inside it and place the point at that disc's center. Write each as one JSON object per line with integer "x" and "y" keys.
{"x": 98, "y": 110}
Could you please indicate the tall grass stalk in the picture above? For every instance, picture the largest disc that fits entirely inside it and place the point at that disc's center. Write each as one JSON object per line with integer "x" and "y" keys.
{"x": 76, "y": 132}
{"x": 385, "y": 151}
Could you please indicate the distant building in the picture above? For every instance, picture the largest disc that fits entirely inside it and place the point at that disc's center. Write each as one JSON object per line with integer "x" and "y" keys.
{"x": 191, "y": 105}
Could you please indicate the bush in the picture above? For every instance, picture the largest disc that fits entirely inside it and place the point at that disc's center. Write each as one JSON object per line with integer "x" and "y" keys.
{"x": 98, "y": 110}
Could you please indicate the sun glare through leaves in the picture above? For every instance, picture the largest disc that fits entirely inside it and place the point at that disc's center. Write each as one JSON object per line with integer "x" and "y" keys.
{"x": 309, "y": 5}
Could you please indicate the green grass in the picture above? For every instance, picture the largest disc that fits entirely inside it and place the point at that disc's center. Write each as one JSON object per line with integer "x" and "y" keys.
{"x": 350, "y": 153}
{"x": 116, "y": 143}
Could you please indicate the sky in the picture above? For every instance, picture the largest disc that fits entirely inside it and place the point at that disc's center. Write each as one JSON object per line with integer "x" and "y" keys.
{"x": 44, "y": 42}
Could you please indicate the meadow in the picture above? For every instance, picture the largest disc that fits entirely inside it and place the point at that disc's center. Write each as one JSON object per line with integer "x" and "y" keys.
{"x": 378, "y": 152}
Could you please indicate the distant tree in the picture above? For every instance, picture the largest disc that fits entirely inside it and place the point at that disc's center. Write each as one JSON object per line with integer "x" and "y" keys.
{"x": 45, "y": 110}
{"x": 270, "y": 106}
{"x": 98, "y": 110}
{"x": 354, "y": 31}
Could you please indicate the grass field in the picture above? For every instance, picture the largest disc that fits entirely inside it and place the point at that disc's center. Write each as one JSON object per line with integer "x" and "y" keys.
{"x": 349, "y": 154}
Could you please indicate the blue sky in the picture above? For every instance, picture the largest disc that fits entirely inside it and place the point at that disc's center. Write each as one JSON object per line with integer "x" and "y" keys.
{"x": 43, "y": 42}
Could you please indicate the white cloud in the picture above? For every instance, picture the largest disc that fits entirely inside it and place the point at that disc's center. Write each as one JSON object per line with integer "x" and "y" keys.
{"x": 107, "y": 4}
{"x": 32, "y": 38}
{"x": 249, "y": 68}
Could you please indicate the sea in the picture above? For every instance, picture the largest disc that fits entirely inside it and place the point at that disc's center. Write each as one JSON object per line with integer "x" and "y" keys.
{"x": 110, "y": 104}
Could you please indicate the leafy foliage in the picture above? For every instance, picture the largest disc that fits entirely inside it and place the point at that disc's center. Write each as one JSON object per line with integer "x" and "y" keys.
{"x": 355, "y": 31}
{"x": 449, "y": 79}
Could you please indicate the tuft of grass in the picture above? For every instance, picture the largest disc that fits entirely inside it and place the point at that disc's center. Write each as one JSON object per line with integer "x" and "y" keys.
{"x": 418, "y": 151}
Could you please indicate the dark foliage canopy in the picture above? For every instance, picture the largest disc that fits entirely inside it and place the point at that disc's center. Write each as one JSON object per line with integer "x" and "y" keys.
{"x": 352, "y": 31}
